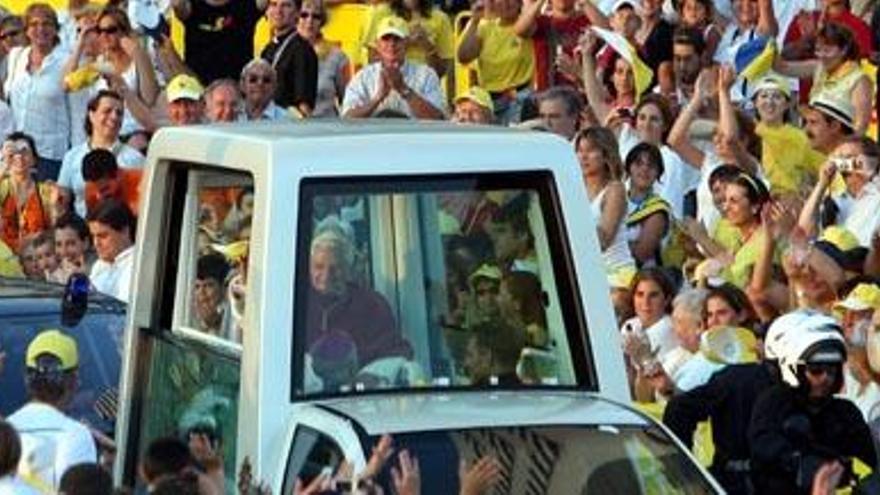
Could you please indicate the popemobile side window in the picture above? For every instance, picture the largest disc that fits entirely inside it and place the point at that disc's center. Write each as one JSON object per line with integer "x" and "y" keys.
{"x": 440, "y": 282}
{"x": 216, "y": 254}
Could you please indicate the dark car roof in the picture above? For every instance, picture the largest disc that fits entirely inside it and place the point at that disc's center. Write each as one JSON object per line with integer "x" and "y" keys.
{"x": 22, "y": 296}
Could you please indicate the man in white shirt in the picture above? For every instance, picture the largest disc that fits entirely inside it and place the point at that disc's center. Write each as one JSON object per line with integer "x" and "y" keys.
{"x": 112, "y": 229}
{"x": 51, "y": 441}
{"x": 393, "y": 83}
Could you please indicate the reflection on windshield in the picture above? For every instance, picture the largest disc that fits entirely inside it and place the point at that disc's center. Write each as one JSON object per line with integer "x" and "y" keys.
{"x": 451, "y": 288}
{"x": 547, "y": 460}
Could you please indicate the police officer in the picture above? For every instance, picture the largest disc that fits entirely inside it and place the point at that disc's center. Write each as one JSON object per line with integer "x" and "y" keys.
{"x": 727, "y": 400}
{"x": 798, "y": 425}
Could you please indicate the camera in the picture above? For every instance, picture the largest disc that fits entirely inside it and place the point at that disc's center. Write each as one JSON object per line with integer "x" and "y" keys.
{"x": 844, "y": 165}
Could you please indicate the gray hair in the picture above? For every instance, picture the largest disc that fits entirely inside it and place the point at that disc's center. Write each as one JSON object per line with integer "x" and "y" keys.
{"x": 337, "y": 236}
{"x": 691, "y": 302}
{"x": 568, "y": 96}
{"x": 219, "y": 83}
{"x": 255, "y": 63}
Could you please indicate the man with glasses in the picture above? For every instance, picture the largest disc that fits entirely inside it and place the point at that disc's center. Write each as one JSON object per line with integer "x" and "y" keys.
{"x": 11, "y": 35}
{"x": 258, "y": 87}
{"x": 219, "y": 35}
{"x": 293, "y": 58}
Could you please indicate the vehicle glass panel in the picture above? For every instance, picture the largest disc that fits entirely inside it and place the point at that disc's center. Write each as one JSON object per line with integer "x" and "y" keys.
{"x": 99, "y": 343}
{"x": 561, "y": 460}
{"x": 446, "y": 281}
{"x": 312, "y": 454}
{"x": 191, "y": 389}
{"x": 213, "y": 254}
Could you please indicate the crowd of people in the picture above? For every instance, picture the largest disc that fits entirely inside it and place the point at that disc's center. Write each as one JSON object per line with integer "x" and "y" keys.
{"x": 728, "y": 150}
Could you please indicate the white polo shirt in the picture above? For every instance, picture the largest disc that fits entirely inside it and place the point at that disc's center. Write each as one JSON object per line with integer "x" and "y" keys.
{"x": 114, "y": 278}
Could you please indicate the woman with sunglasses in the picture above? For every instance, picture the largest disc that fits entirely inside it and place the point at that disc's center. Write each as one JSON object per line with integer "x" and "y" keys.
{"x": 334, "y": 69}
{"x": 124, "y": 58}
{"x": 25, "y": 203}
{"x": 33, "y": 86}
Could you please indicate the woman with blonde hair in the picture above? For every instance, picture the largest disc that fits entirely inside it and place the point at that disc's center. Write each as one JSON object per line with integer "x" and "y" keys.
{"x": 334, "y": 68}
{"x": 596, "y": 149}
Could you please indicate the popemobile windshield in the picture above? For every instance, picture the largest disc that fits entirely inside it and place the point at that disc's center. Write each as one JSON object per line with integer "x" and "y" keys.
{"x": 281, "y": 267}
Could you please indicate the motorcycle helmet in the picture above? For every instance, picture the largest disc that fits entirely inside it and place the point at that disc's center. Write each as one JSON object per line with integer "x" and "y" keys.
{"x": 820, "y": 346}
{"x": 786, "y": 327}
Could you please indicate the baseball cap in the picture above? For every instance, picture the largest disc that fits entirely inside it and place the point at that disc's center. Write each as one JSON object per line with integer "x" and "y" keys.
{"x": 843, "y": 247}
{"x": 184, "y": 86}
{"x": 729, "y": 345}
{"x": 837, "y": 108}
{"x": 477, "y": 95}
{"x": 392, "y": 25}
{"x": 621, "y": 277}
{"x": 487, "y": 271}
{"x": 773, "y": 82}
{"x": 56, "y": 344}
{"x": 863, "y": 296}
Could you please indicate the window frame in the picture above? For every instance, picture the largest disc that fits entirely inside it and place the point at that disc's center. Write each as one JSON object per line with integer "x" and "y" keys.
{"x": 541, "y": 182}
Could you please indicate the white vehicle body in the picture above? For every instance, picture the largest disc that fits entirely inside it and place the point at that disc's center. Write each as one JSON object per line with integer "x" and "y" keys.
{"x": 276, "y": 161}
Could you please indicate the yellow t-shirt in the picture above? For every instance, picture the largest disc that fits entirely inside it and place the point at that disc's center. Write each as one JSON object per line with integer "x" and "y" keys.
{"x": 437, "y": 27}
{"x": 506, "y": 60}
{"x": 726, "y": 235}
{"x": 740, "y": 271}
{"x": 788, "y": 161}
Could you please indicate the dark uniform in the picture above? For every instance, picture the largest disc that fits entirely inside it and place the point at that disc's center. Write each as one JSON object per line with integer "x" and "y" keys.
{"x": 727, "y": 400}
{"x": 296, "y": 64}
{"x": 792, "y": 436}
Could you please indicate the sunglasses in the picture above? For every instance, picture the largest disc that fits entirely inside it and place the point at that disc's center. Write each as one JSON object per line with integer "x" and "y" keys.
{"x": 818, "y": 369}
{"x": 254, "y": 79}
{"x": 311, "y": 15}
{"x": 107, "y": 30}
{"x": 16, "y": 148}
{"x": 9, "y": 34}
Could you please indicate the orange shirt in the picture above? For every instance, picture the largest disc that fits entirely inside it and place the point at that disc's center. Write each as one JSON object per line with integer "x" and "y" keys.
{"x": 128, "y": 192}
{"x": 32, "y": 219}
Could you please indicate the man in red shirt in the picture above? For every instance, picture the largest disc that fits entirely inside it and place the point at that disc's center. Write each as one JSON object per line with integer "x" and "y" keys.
{"x": 556, "y": 33}
{"x": 105, "y": 180}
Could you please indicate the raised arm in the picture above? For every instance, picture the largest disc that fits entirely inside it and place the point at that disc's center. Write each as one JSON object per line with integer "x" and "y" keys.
{"x": 148, "y": 86}
{"x": 470, "y": 46}
{"x": 679, "y": 136}
{"x": 862, "y": 101}
{"x": 526, "y": 23}
{"x": 807, "y": 220}
{"x": 726, "y": 111}
{"x": 767, "y": 25}
{"x": 596, "y": 93}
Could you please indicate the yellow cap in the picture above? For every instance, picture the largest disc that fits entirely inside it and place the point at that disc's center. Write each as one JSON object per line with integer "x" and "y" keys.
{"x": 864, "y": 296}
{"x": 840, "y": 237}
{"x": 392, "y": 25}
{"x": 621, "y": 277}
{"x": 54, "y": 343}
{"x": 485, "y": 270}
{"x": 234, "y": 251}
{"x": 729, "y": 345}
{"x": 184, "y": 86}
{"x": 477, "y": 95}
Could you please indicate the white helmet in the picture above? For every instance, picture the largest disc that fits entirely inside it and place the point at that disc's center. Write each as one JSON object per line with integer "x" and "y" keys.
{"x": 817, "y": 345}
{"x": 786, "y": 327}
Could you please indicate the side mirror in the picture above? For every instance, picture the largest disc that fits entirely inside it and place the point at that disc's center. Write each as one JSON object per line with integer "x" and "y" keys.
{"x": 76, "y": 299}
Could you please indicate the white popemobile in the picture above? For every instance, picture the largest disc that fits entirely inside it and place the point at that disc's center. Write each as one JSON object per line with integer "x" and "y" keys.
{"x": 384, "y": 279}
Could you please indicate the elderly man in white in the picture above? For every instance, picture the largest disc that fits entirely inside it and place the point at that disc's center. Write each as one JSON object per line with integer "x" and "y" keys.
{"x": 392, "y": 83}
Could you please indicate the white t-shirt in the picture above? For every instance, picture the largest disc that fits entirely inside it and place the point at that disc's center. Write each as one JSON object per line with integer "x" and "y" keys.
{"x": 867, "y": 399}
{"x": 51, "y": 442}
{"x": 13, "y": 485}
{"x": 860, "y": 216}
{"x": 114, "y": 278}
